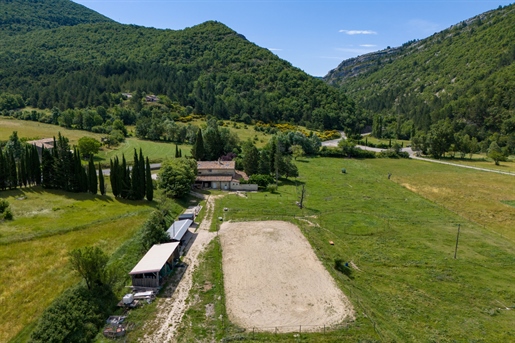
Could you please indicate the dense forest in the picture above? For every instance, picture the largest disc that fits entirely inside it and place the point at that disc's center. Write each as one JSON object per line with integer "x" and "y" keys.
{"x": 459, "y": 83}
{"x": 209, "y": 68}
{"x": 20, "y": 16}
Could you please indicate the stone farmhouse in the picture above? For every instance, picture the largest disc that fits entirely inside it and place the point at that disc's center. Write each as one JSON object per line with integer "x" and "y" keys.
{"x": 221, "y": 175}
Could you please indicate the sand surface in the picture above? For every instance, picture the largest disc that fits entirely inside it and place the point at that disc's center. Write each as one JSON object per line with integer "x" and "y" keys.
{"x": 273, "y": 278}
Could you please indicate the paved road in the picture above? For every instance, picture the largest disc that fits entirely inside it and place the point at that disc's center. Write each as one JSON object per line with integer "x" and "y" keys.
{"x": 412, "y": 155}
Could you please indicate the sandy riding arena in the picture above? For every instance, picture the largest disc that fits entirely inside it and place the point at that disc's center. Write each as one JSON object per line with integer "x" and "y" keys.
{"x": 273, "y": 278}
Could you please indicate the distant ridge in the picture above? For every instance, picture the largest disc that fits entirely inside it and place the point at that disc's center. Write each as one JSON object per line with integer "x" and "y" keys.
{"x": 465, "y": 73}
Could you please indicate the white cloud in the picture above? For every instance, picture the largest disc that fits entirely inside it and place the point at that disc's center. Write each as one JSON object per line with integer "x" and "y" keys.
{"x": 358, "y": 32}
{"x": 368, "y": 45}
{"x": 275, "y": 49}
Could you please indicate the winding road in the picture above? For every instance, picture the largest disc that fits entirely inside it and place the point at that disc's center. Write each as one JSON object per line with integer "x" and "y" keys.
{"x": 412, "y": 155}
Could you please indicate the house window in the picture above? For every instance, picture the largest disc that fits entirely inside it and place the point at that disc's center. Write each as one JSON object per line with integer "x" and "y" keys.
{"x": 210, "y": 170}
{"x": 199, "y": 173}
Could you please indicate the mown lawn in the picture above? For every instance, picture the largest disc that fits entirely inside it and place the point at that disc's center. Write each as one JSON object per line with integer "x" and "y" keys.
{"x": 401, "y": 235}
{"x": 34, "y": 247}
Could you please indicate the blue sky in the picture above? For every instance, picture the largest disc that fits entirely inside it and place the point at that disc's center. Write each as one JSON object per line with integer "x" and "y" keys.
{"x": 314, "y": 36}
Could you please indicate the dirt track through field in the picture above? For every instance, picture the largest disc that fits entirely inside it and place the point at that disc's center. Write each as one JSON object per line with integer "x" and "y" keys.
{"x": 272, "y": 278}
{"x": 172, "y": 305}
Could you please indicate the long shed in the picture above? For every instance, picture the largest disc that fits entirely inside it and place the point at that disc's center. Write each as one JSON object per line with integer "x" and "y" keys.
{"x": 155, "y": 266}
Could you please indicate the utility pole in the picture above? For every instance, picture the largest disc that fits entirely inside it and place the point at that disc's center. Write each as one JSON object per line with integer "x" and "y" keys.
{"x": 457, "y": 239}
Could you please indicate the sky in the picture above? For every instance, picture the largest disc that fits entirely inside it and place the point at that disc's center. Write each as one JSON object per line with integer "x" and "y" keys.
{"x": 315, "y": 36}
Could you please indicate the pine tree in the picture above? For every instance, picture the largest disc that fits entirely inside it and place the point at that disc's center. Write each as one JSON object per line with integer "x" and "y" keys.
{"x": 101, "y": 180}
{"x": 92, "y": 176}
{"x": 150, "y": 186}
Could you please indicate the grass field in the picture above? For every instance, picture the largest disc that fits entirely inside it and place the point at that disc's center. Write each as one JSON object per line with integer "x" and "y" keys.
{"x": 155, "y": 151}
{"x": 401, "y": 234}
{"x": 481, "y": 161}
{"x": 32, "y": 129}
{"x": 34, "y": 247}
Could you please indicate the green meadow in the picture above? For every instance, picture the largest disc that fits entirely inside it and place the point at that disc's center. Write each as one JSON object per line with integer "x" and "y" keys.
{"x": 34, "y": 247}
{"x": 401, "y": 235}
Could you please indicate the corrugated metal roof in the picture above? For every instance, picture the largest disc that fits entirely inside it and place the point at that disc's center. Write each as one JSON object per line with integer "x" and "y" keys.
{"x": 178, "y": 229}
{"x": 155, "y": 258}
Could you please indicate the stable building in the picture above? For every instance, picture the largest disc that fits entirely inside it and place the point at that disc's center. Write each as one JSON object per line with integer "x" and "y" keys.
{"x": 155, "y": 266}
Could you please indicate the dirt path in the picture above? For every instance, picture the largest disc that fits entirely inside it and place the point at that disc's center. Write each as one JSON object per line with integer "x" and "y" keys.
{"x": 172, "y": 304}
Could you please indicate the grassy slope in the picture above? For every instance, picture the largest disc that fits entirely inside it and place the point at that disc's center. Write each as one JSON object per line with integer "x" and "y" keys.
{"x": 33, "y": 130}
{"x": 34, "y": 247}
{"x": 409, "y": 288}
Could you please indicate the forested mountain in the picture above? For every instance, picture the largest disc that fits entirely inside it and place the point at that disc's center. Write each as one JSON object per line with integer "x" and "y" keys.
{"x": 464, "y": 74}
{"x": 20, "y": 16}
{"x": 209, "y": 67}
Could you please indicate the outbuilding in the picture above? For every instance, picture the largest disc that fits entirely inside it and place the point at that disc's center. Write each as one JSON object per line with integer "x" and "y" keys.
{"x": 178, "y": 230}
{"x": 155, "y": 266}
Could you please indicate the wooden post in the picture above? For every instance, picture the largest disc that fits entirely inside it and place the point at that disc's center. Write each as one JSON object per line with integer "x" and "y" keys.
{"x": 457, "y": 239}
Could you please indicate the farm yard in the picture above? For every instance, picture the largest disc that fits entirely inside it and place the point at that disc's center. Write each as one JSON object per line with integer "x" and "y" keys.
{"x": 398, "y": 236}
{"x": 274, "y": 281}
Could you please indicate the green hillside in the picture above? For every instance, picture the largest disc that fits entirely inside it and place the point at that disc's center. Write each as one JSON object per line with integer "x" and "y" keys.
{"x": 20, "y": 16}
{"x": 209, "y": 67}
{"x": 465, "y": 73}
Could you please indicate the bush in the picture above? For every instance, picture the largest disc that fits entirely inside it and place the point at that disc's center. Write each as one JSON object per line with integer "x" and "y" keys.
{"x": 261, "y": 180}
{"x": 75, "y": 316}
{"x": 4, "y": 204}
{"x": 8, "y": 215}
{"x": 272, "y": 188}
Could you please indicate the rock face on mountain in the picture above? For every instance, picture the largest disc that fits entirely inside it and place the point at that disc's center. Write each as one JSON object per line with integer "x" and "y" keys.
{"x": 361, "y": 65}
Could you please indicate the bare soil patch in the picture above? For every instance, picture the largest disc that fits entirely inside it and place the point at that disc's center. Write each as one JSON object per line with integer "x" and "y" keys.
{"x": 273, "y": 278}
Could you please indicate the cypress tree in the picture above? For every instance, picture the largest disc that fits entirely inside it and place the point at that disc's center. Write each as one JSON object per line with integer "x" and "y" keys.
{"x": 198, "y": 151}
{"x": 176, "y": 151}
{"x": 149, "y": 187}
{"x": 125, "y": 179}
{"x": 47, "y": 168}
{"x": 101, "y": 184}
{"x": 3, "y": 172}
{"x": 142, "y": 180}
{"x": 36, "y": 165}
{"x": 13, "y": 175}
{"x": 119, "y": 176}
{"x": 134, "y": 192}
{"x": 92, "y": 176}
{"x": 112, "y": 176}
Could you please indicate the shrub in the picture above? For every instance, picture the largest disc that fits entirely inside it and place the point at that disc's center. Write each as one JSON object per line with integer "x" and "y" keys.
{"x": 272, "y": 188}
{"x": 75, "y": 316}
{"x": 8, "y": 215}
{"x": 4, "y": 204}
